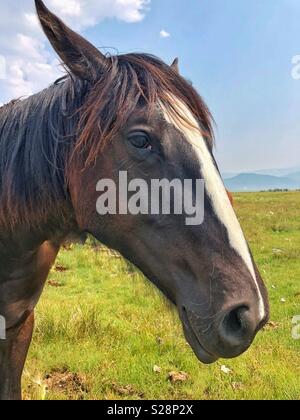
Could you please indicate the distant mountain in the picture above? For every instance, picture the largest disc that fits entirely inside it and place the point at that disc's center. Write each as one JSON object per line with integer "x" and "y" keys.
{"x": 227, "y": 175}
{"x": 285, "y": 172}
{"x": 279, "y": 172}
{"x": 256, "y": 182}
{"x": 295, "y": 176}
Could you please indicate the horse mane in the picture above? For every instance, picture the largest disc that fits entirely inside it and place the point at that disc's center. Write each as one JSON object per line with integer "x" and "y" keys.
{"x": 64, "y": 128}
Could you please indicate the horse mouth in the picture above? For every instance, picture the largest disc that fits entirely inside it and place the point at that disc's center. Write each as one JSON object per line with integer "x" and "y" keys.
{"x": 202, "y": 354}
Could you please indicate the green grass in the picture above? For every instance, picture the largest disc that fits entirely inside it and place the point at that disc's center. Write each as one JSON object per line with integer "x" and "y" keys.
{"x": 101, "y": 332}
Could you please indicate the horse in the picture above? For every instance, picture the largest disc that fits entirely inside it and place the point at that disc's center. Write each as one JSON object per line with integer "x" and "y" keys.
{"x": 134, "y": 113}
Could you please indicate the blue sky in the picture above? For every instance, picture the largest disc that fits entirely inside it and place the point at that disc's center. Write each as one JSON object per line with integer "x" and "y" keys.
{"x": 238, "y": 54}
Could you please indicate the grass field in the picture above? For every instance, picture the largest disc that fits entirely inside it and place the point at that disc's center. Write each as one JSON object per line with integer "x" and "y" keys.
{"x": 103, "y": 332}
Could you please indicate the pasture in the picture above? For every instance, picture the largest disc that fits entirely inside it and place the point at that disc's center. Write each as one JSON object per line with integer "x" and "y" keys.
{"x": 103, "y": 332}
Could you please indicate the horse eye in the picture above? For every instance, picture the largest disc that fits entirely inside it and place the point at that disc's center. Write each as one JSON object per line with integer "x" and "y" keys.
{"x": 140, "y": 141}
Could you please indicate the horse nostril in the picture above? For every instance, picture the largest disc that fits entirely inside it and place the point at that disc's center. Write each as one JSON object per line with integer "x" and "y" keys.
{"x": 237, "y": 328}
{"x": 233, "y": 322}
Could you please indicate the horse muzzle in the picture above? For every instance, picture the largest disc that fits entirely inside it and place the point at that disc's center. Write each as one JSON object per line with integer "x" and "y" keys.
{"x": 227, "y": 335}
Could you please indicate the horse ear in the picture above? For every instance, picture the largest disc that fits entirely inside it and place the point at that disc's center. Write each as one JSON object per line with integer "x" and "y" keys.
{"x": 80, "y": 56}
{"x": 175, "y": 65}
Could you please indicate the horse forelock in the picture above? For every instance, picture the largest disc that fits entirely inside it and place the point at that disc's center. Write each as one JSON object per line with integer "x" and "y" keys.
{"x": 131, "y": 80}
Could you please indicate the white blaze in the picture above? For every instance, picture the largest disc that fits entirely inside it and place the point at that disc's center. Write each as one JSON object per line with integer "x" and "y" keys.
{"x": 214, "y": 188}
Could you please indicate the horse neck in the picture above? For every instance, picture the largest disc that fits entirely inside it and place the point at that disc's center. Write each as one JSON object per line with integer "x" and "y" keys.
{"x": 36, "y": 136}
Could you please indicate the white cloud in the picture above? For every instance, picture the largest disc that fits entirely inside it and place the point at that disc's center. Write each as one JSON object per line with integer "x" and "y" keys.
{"x": 94, "y": 11}
{"x": 70, "y": 8}
{"x": 164, "y": 34}
{"x": 29, "y": 64}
